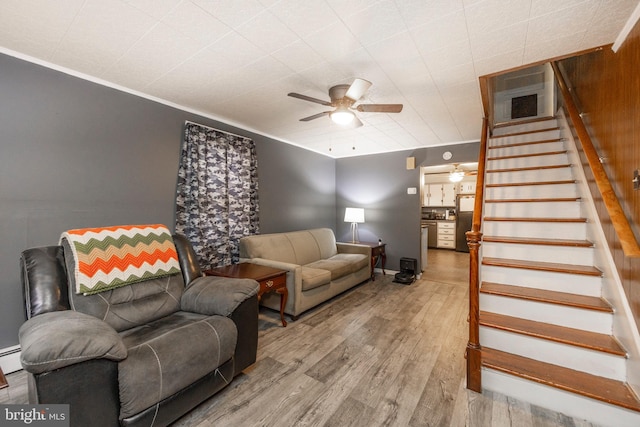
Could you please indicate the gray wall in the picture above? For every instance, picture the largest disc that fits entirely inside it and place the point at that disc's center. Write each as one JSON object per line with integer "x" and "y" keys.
{"x": 297, "y": 188}
{"x": 378, "y": 183}
{"x": 77, "y": 154}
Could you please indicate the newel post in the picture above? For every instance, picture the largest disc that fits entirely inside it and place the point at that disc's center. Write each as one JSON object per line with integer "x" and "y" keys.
{"x": 474, "y": 355}
{"x": 474, "y": 239}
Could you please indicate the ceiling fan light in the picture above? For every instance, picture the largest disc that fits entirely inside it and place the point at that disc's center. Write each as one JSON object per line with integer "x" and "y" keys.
{"x": 456, "y": 176}
{"x": 342, "y": 116}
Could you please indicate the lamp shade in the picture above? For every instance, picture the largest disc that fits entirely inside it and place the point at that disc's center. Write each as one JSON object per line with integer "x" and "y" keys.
{"x": 354, "y": 215}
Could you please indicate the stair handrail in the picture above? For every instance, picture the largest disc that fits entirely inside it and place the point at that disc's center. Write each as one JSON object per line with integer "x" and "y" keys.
{"x": 619, "y": 220}
{"x": 474, "y": 238}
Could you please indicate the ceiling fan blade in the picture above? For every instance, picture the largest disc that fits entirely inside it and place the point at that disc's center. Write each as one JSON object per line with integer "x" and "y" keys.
{"x": 310, "y": 99}
{"x": 315, "y": 116}
{"x": 379, "y": 108}
{"x": 357, "y": 89}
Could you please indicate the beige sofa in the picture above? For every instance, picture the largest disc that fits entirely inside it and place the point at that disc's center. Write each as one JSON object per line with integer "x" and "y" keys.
{"x": 317, "y": 267}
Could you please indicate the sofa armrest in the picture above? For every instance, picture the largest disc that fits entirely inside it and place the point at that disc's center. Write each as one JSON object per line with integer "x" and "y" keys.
{"x": 353, "y": 248}
{"x": 44, "y": 280}
{"x": 54, "y": 340}
{"x": 233, "y": 298}
{"x": 245, "y": 317}
{"x": 187, "y": 258}
{"x": 212, "y": 295}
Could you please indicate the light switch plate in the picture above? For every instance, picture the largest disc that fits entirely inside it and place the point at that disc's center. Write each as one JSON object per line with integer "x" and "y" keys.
{"x": 412, "y": 190}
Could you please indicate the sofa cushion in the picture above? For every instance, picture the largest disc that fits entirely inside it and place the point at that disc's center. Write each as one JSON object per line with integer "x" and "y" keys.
{"x": 275, "y": 247}
{"x": 169, "y": 354}
{"x": 128, "y": 306}
{"x": 305, "y": 247}
{"x": 314, "y": 277}
{"x": 356, "y": 261}
{"x": 326, "y": 241}
{"x": 295, "y": 247}
{"x": 336, "y": 267}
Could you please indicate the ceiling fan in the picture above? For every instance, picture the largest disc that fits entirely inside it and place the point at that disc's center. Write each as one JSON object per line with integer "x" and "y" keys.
{"x": 458, "y": 173}
{"x": 343, "y": 98}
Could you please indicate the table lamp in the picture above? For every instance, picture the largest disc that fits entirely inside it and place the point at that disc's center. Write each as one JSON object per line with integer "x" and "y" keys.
{"x": 354, "y": 216}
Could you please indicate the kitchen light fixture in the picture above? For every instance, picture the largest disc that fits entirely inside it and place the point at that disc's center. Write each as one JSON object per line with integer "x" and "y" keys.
{"x": 456, "y": 176}
{"x": 354, "y": 216}
{"x": 342, "y": 116}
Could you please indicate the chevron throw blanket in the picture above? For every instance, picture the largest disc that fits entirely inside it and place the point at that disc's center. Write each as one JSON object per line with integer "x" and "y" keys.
{"x": 110, "y": 257}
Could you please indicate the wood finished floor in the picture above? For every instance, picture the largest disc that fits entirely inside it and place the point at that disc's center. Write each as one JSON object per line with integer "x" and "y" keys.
{"x": 381, "y": 354}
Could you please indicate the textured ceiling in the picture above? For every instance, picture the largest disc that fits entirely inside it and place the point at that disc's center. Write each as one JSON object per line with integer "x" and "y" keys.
{"x": 236, "y": 60}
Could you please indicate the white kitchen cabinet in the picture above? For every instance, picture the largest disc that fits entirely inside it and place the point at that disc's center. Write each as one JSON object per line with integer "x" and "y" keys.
{"x": 449, "y": 193}
{"x": 439, "y": 194}
{"x": 446, "y": 234}
{"x": 468, "y": 187}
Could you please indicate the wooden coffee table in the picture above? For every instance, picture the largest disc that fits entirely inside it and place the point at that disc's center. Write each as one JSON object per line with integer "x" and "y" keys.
{"x": 270, "y": 279}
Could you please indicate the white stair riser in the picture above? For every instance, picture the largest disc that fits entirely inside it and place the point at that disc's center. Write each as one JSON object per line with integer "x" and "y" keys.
{"x": 543, "y": 230}
{"x": 534, "y": 209}
{"x": 526, "y": 127}
{"x": 570, "y": 317}
{"x": 527, "y": 137}
{"x": 561, "y": 401}
{"x": 585, "y": 360}
{"x": 572, "y": 357}
{"x": 540, "y": 253}
{"x": 561, "y": 282}
{"x": 556, "y": 174}
{"x": 543, "y": 147}
{"x": 530, "y": 161}
{"x": 544, "y": 191}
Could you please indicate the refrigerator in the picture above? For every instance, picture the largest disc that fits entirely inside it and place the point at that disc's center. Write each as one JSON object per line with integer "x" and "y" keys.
{"x": 464, "y": 219}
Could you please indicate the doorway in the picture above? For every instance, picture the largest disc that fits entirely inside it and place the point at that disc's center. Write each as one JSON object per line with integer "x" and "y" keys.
{"x": 442, "y": 217}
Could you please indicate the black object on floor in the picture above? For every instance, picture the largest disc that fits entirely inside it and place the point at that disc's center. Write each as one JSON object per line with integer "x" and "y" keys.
{"x": 407, "y": 274}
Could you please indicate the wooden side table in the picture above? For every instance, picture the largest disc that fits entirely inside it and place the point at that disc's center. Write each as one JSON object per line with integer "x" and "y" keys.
{"x": 270, "y": 279}
{"x": 3, "y": 380}
{"x": 377, "y": 253}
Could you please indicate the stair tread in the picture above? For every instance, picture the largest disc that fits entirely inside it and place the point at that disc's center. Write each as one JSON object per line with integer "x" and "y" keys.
{"x": 588, "y": 385}
{"x": 517, "y": 156}
{"x": 529, "y": 168}
{"x": 514, "y": 123}
{"x": 585, "y": 270}
{"x": 550, "y": 199}
{"x": 543, "y": 295}
{"x": 538, "y": 241}
{"x": 525, "y": 132}
{"x": 532, "y": 219}
{"x": 561, "y": 334}
{"x": 520, "y": 144}
{"x": 525, "y": 184}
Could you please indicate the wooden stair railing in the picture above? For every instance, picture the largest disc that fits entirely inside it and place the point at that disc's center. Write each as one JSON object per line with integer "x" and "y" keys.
{"x": 474, "y": 237}
{"x": 619, "y": 220}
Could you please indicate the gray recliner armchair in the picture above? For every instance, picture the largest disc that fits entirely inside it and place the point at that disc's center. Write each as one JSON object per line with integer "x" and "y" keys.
{"x": 143, "y": 354}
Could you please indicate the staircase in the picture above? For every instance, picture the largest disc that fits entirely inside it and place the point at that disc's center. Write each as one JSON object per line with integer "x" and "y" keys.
{"x": 545, "y": 331}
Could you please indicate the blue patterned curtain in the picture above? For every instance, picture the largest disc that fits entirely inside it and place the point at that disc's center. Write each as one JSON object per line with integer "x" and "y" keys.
{"x": 217, "y": 193}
